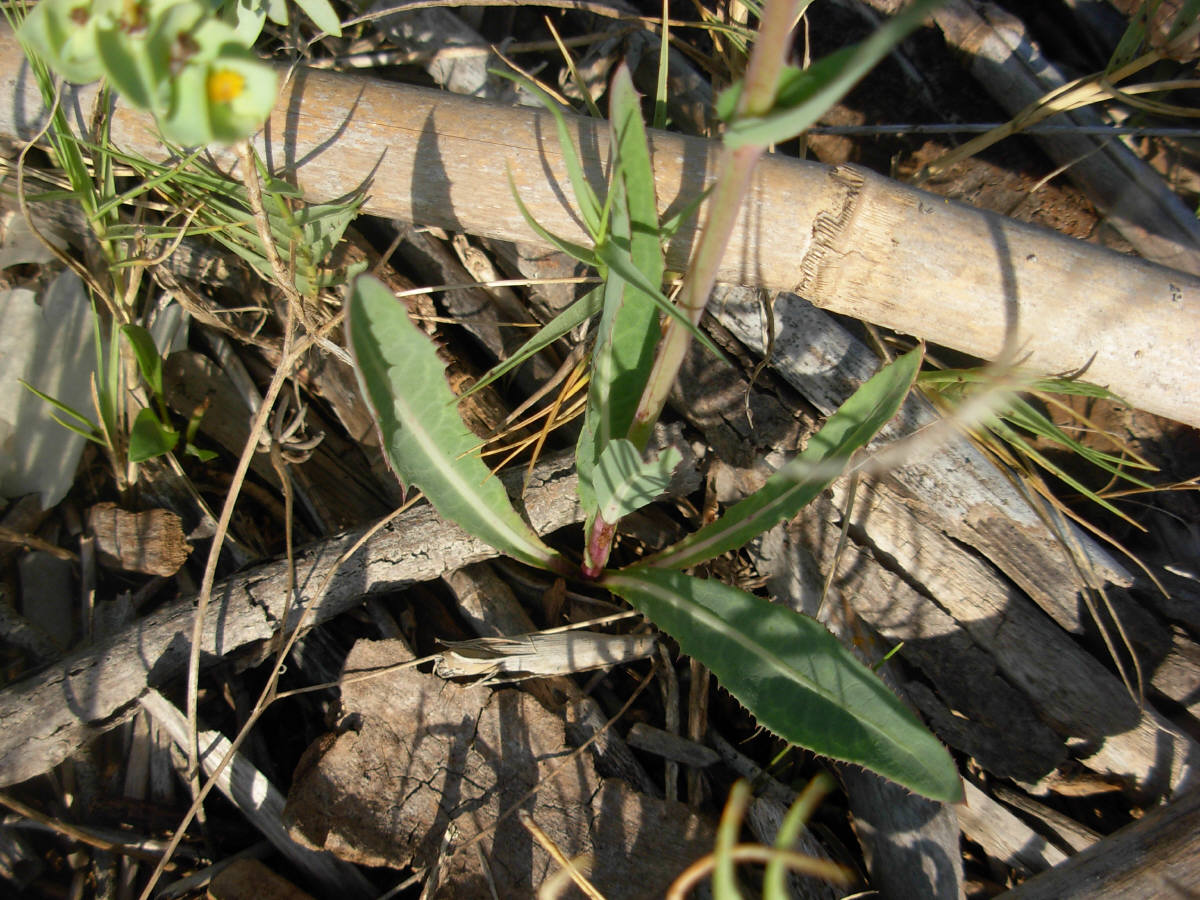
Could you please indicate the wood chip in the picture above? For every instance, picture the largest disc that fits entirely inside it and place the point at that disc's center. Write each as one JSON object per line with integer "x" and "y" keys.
{"x": 151, "y": 542}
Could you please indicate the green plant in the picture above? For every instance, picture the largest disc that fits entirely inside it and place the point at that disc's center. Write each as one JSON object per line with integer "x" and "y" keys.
{"x": 151, "y": 433}
{"x": 794, "y": 676}
{"x": 186, "y": 62}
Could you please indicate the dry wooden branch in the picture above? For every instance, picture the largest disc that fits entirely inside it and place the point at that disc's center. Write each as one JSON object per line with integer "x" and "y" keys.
{"x": 51, "y": 714}
{"x": 844, "y": 237}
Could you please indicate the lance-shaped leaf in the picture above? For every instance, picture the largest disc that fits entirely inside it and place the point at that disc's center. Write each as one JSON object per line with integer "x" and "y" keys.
{"x": 426, "y": 442}
{"x": 628, "y": 329}
{"x": 625, "y": 482}
{"x": 796, "y": 484}
{"x": 793, "y": 676}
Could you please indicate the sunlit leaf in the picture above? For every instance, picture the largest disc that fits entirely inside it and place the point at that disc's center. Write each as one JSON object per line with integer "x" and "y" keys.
{"x": 625, "y": 482}
{"x": 322, "y": 14}
{"x": 793, "y": 676}
{"x": 426, "y": 442}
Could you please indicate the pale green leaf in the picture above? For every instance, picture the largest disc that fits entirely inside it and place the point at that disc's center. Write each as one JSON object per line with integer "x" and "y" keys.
{"x": 625, "y": 482}
{"x": 426, "y": 442}
{"x": 322, "y": 14}
{"x": 793, "y": 676}
{"x": 793, "y": 487}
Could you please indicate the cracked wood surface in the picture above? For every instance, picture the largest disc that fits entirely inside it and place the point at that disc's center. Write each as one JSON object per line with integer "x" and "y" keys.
{"x": 849, "y": 239}
{"x": 50, "y": 714}
{"x": 432, "y": 764}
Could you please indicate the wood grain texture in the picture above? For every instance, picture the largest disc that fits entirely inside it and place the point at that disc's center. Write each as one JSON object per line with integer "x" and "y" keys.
{"x": 845, "y": 238}
{"x": 1157, "y": 856}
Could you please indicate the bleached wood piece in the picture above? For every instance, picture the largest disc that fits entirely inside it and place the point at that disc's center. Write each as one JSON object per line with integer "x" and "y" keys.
{"x": 844, "y": 237}
{"x": 1011, "y": 67}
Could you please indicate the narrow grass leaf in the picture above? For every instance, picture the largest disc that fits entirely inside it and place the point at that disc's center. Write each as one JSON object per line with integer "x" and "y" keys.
{"x": 793, "y": 676}
{"x": 589, "y": 203}
{"x": 790, "y": 829}
{"x": 793, "y": 487}
{"x": 427, "y": 444}
{"x": 567, "y": 320}
{"x": 804, "y": 95}
{"x": 625, "y": 482}
{"x": 93, "y": 432}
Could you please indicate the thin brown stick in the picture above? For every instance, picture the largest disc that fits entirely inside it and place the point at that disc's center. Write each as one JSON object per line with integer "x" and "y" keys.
{"x": 78, "y": 834}
{"x": 559, "y": 857}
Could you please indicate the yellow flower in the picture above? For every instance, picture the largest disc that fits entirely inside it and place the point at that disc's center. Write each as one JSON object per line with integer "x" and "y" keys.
{"x": 224, "y": 85}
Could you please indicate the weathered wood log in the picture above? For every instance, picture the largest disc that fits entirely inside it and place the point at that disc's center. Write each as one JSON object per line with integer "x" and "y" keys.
{"x": 843, "y": 237}
{"x": 1157, "y": 856}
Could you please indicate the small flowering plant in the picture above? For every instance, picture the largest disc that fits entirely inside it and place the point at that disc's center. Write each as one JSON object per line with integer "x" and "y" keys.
{"x": 190, "y": 67}
{"x": 785, "y": 668}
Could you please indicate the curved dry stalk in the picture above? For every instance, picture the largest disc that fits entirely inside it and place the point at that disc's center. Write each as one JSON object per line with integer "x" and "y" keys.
{"x": 757, "y": 853}
{"x": 1085, "y": 91}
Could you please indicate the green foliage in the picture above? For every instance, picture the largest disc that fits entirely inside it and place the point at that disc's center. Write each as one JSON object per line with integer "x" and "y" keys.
{"x": 793, "y": 675}
{"x": 628, "y": 331}
{"x": 800, "y": 481}
{"x": 304, "y": 235}
{"x": 426, "y": 442}
{"x": 625, "y": 482}
{"x": 192, "y": 69}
